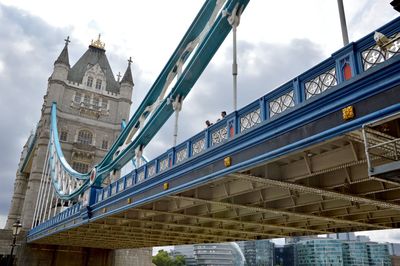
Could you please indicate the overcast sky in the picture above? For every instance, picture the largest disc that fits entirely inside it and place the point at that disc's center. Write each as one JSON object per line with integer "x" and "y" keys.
{"x": 278, "y": 40}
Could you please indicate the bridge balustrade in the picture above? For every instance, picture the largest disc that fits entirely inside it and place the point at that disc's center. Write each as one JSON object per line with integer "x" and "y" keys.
{"x": 353, "y": 60}
{"x": 342, "y": 66}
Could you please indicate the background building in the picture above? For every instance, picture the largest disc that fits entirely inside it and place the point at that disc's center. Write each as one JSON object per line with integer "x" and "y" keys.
{"x": 296, "y": 239}
{"x": 259, "y": 252}
{"x": 215, "y": 254}
{"x": 311, "y": 251}
{"x": 319, "y": 252}
{"x": 394, "y": 249}
{"x": 349, "y": 236}
{"x": 286, "y": 255}
{"x": 186, "y": 251}
{"x": 378, "y": 254}
{"x": 355, "y": 253}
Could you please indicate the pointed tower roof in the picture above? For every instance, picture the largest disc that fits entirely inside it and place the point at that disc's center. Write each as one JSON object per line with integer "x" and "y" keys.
{"x": 96, "y": 54}
{"x": 127, "y": 78}
{"x": 63, "y": 58}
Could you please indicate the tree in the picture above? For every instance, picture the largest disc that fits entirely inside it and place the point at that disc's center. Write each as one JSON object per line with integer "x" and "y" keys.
{"x": 180, "y": 260}
{"x": 164, "y": 259}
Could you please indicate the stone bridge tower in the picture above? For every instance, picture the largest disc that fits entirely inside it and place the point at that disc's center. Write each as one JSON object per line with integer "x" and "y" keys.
{"x": 91, "y": 104}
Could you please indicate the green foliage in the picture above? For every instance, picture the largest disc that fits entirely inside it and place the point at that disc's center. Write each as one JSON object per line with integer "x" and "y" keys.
{"x": 164, "y": 259}
{"x": 180, "y": 261}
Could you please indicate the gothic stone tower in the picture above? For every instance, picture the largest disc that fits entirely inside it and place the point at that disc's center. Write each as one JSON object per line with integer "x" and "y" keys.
{"x": 90, "y": 107}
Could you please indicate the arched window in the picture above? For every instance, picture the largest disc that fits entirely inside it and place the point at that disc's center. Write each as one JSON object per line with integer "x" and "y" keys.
{"x": 89, "y": 82}
{"x": 85, "y": 137}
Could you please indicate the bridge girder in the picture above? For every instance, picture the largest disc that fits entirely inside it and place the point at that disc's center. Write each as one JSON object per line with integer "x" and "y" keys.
{"x": 324, "y": 193}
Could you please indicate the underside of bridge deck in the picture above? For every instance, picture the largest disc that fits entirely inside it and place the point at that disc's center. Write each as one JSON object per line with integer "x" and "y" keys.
{"x": 322, "y": 189}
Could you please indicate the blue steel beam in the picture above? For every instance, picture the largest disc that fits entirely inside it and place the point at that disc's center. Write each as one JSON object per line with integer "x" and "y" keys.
{"x": 366, "y": 87}
{"x": 363, "y": 84}
{"x": 55, "y": 144}
{"x": 207, "y": 48}
{"x": 200, "y": 34}
{"x": 123, "y": 126}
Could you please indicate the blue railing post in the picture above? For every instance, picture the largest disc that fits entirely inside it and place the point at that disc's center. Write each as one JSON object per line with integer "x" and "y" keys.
{"x": 346, "y": 64}
{"x": 124, "y": 181}
{"x": 94, "y": 190}
{"x": 134, "y": 176}
{"x": 298, "y": 92}
{"x": 86, "y": 212}
{"x": 156, "y": 163}
{"x": 188, "y": 149}
{"x": 236, "y": 123}
{"x": 263, "y": 109}
{"x": 145, "y": 172}
{"x": 207, "y": 138}
{"x": 171, "y": 157}
{"x": 231, "y": 127}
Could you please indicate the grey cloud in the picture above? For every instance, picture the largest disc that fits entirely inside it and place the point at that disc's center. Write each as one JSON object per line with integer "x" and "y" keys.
{"x": 370, "y": 15}
{"x": 27, "y": 49}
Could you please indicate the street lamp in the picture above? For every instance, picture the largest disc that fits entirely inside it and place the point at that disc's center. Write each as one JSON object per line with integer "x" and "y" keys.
{"x": 16, "y": 229}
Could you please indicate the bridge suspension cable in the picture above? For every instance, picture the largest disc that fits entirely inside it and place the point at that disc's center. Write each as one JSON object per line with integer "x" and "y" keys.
{"x": 199, "y": 44}
{"x": 192, "y": 55}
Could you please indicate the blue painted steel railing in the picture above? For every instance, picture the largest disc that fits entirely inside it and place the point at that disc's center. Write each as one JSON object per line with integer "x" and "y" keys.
{"x": 307, "y": 87}
{"x": 352, "y": 62}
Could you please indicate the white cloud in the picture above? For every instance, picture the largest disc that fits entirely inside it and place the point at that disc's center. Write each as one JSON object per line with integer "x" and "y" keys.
{"x": 23, "y": 47}
{"x": 1, "y": 67}
{"x": 150, "y": 30}
{"x": 165, "y": 248}
{"x": 392, "y": 236}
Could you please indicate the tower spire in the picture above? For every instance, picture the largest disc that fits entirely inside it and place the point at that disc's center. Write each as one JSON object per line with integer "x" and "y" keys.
{"x": 63, "y": 58}
{"x": 127, "y": 78}
{"x": 67, "y": 41}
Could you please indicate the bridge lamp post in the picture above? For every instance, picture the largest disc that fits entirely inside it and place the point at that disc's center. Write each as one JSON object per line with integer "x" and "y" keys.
{"x": 343, "y": 24}
{"x": 234, "y": 21}
{"x": 16, "y": 229}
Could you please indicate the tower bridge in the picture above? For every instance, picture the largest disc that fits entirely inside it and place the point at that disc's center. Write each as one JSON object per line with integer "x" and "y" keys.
{"x": 290, "y": 163}
{"x": 318, "y": 155}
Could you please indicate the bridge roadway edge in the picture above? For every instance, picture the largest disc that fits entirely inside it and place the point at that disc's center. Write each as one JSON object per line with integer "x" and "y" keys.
{"x": 354, "y": 92}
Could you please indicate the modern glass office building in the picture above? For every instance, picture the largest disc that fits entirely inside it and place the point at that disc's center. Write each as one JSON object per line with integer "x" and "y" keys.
{"x": 320, "y": 252}
{"x": 187, "y": 251}
{"x": 260, "y": 253}
{"x": 218, "y": 254}
{"x": 285, "y": 255}
{"x": 349, "y": 236}
{"x": 378, "y": 254}
{"x": 355, "y": 253}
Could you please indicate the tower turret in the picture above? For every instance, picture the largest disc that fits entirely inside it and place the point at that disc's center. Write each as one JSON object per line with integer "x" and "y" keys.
{"x": 127, "y": 82}
{"x": 126, "y": 88}
{"x": 61, "y": 65}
